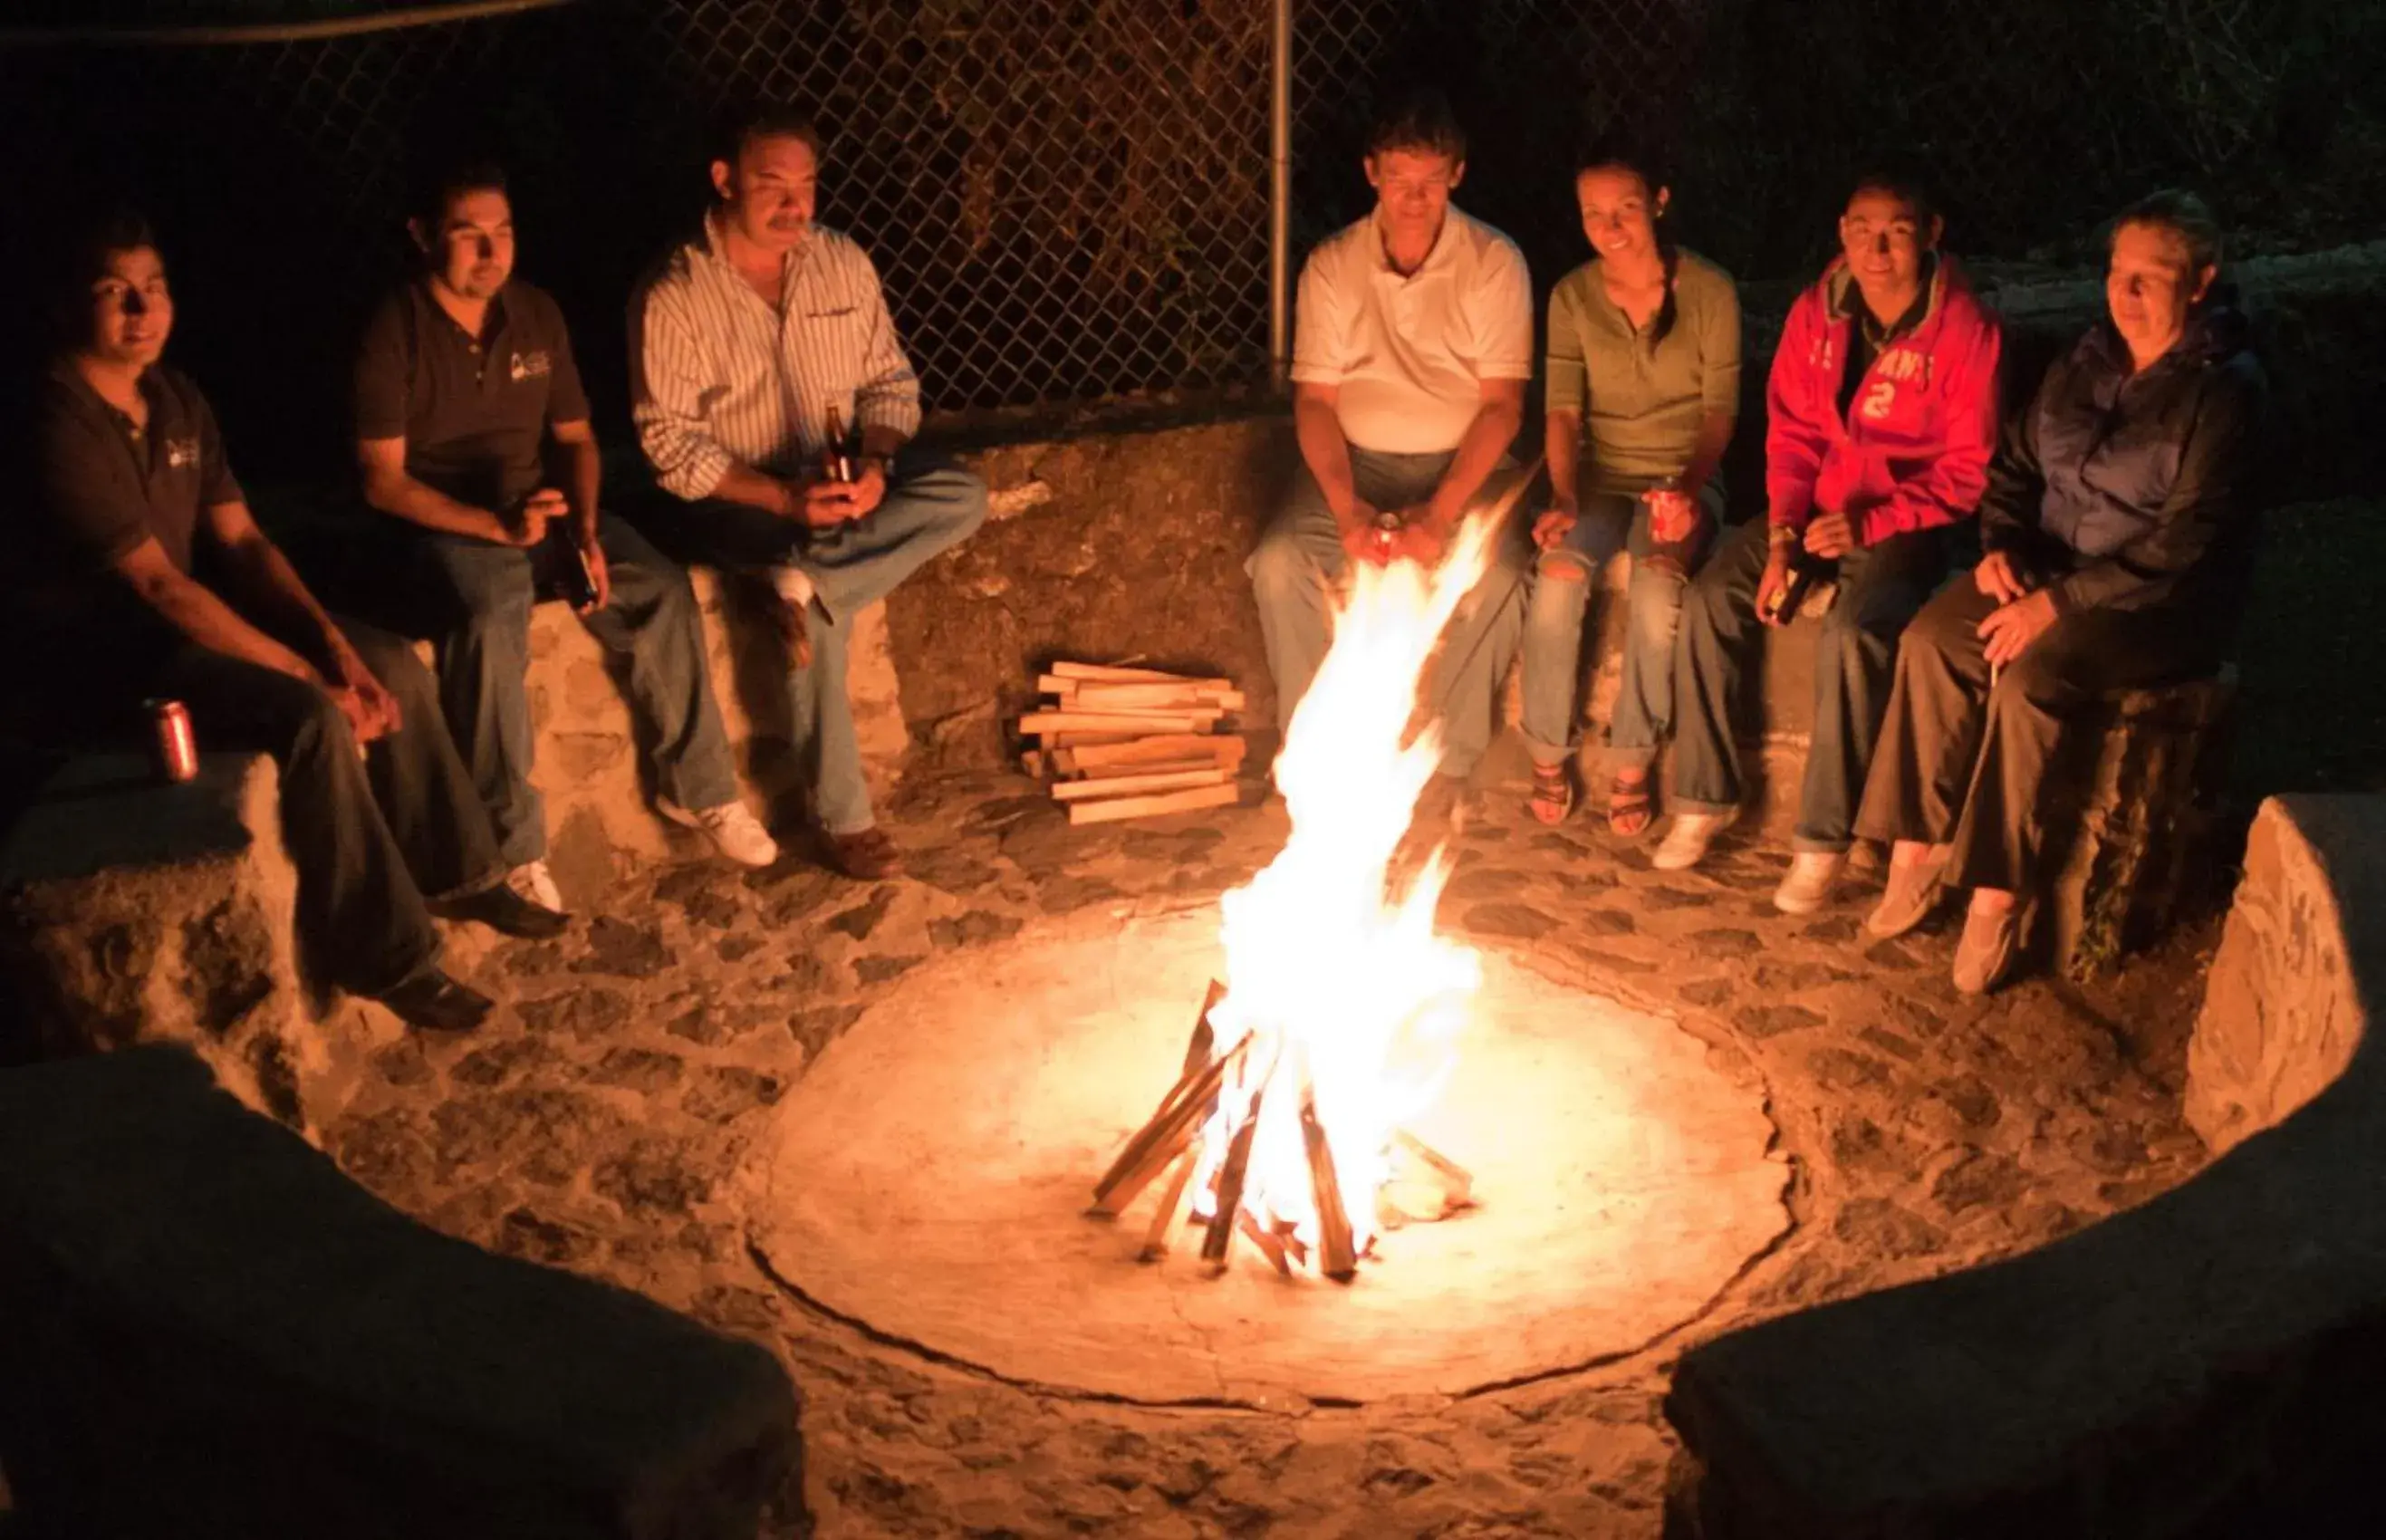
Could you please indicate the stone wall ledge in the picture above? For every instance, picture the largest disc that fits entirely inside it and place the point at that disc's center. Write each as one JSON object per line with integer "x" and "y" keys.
{"x": 207, "y": 1330}
{"x": 2203, "y": 1364}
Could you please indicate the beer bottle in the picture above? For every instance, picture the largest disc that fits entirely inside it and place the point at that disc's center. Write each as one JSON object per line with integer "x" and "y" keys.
{"x": 836, "y": 465}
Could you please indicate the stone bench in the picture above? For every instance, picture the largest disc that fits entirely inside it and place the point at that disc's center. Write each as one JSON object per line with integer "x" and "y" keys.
{"x": 207, "y": 1330}
{"x": 2133, "y": 812}
{"x": 132, "y": 911}
{"x": 599, "y": 813}
{"x": 2205, "y": 1364}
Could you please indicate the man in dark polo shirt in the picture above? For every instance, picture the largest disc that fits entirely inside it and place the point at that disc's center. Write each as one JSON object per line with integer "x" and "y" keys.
{"x": 464, "y": 380}
{"x": 146, "y": 575}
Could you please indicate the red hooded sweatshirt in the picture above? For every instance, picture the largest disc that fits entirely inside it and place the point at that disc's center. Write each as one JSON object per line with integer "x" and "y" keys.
{"x": 1912, "y": 451}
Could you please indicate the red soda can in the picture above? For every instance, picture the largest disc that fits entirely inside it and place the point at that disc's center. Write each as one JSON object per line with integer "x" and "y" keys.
{"x": 178, "y": 749}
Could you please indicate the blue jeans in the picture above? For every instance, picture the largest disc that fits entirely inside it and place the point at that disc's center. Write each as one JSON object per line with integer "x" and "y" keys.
{"x": 484, "y": 648}
{"x": 929, "y": 508}
{"x": 1881, "y": 586}
{"x": 1562, "y": 579}
{"x": 1301, "y": 557}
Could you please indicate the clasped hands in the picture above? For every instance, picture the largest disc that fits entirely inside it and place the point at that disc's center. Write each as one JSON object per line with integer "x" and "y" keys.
{"x": 1418, "y": 532}
{"x": 371, "y": 711}
{"x": 2023, "y": 614}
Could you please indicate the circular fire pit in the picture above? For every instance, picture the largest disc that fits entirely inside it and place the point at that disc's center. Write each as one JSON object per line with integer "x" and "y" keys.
{"x": 929, "y": 1179}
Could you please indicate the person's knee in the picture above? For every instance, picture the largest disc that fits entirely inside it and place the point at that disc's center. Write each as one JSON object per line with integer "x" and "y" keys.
{"x": 403, "y": 675}
{"x": 1653, "y": 609}
{"x": 486, "y": 579}
{"x": 1281, "y": 572}
{"x": 1844, "y": 638}
{"x": 1562, "y": 566}
{"x": 493, "y": 624}
{"x": 1555, "y": 606}
{"x": 958, "y": 496}
{"x": 2034, "y": 681}
{"x": 1706, "y": 602}
{"x": 314, "y": 730}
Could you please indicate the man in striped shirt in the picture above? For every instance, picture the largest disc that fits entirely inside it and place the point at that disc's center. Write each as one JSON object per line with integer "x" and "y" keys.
{"x": 745, "y": 346}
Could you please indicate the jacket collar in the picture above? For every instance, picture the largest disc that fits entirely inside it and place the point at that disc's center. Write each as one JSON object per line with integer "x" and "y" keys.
{"x": 2216, "y": 332}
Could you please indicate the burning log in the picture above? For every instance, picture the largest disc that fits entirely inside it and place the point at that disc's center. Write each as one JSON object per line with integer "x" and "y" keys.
{"x": 1172, "y": 1204}
{"x": 1176, "y": 1122}
{"x": 1270, "y": 1245}
{"x": 1227, "y": 1201}
{"x": 1336, "y": 1256}
{"x": 1204, "y": 1041}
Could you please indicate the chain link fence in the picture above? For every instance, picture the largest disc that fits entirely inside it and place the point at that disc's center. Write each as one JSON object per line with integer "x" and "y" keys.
{"x": 2034, "y": 118}
{"x": 1069, "y": 199}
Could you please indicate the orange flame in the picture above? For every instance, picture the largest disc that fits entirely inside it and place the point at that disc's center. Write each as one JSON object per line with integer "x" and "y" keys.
{"x": 1341, "y": 983}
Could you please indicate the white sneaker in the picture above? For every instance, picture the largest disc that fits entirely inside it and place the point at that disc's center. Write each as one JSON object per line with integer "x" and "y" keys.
{"x": 1813, "y": 876}
{"x": 1686, "y": 841}
{"x": 734, "y": 831}
{"x": 535, "y": 882}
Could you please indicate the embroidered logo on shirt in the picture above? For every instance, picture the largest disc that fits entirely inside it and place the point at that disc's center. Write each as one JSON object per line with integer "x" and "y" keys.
{"x": 181, "y": 453}
{"x": 530, "y": 366}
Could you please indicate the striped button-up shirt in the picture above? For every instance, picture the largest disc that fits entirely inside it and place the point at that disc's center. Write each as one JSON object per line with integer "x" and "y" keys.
{"x": 718, "y": 378}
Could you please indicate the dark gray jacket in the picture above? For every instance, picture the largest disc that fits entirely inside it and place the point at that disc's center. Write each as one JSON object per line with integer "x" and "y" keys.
{"x": 2132, "y": 491}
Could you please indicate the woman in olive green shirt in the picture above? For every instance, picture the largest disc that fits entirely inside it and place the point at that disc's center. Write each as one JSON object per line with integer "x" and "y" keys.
{"x": 1643, "y": 386}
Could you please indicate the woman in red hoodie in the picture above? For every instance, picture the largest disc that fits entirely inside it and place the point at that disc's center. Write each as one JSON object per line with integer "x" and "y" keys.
{"x": 1881, "y": 413}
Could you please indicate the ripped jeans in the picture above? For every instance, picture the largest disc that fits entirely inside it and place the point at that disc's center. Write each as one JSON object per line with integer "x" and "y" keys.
{"x": 1564, "y": 579}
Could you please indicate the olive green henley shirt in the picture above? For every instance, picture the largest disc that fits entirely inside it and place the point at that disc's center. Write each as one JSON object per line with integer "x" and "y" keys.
{"x": 1643, "y": 392}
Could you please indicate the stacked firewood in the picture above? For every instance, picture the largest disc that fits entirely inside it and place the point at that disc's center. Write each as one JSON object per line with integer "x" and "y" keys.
{"x": 1117, "y": 743}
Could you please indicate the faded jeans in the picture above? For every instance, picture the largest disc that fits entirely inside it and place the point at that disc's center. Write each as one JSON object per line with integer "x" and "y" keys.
{"x": 1564, "y": 579}
{"x": 484, "y": 656}
{"x": 930, "y": 506}
{"x": 1301, "y": 557}
{"x": 1881, "y": 586}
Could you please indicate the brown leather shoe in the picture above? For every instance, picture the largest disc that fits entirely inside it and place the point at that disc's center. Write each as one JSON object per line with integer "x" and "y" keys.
{"x": 865, "y": 857}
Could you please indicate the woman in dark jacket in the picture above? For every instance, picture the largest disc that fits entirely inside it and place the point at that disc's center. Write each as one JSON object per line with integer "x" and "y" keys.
{"x": 2116, "y": 528}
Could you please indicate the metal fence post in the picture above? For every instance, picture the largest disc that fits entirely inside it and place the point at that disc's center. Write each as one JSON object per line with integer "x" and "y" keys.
{"x": 1280, "y": 198}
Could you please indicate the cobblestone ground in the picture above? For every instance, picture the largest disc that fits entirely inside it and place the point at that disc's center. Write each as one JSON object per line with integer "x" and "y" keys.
{"x": 596, "y": 1122}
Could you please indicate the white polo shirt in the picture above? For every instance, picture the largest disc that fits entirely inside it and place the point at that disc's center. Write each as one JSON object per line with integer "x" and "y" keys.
{"x": 1409, "y": 355}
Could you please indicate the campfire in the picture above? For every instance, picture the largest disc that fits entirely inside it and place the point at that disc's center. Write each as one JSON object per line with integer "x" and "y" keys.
{"x": 1341, "y": 1014}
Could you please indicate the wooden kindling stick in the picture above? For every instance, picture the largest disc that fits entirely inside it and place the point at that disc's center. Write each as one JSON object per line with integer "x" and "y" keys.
{"x": 1156, "y": 749}
{"x": 1233, "y": 1172}
{"x": 1155, "y": 780}
{"x": 1175, "y": 1121}
{"x": 1108, "y": 673}
{"x": 1110, "y": 810}
{"x": 1336, "y": 1256}
{"x": 1270, "y": 1245}
{"x": 1171, "y": 1203}
{"x": 1457, "y": 1182}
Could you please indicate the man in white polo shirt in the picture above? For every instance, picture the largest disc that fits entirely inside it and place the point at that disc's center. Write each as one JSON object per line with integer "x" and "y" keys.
{"x": 1412, "y": 344}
